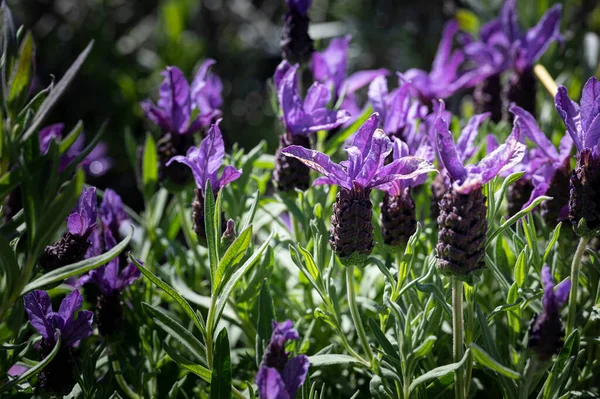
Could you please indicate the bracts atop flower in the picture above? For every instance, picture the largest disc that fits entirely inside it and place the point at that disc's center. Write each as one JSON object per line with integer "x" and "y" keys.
{"x": 352, "y": 228}
{"x": 546, "y": 332}
{"x": 74, "y": 243}
{"x": 57, "y": 376}
{"x": 296, "y": 44}
{"x": 462, "y": 221}
{"x": 205, "y": 162}
{"x": 300, "y": 118}
{"x": 583, "y": 124}
{"x": 177, "y": 103}
{"x": 280, "y": 376}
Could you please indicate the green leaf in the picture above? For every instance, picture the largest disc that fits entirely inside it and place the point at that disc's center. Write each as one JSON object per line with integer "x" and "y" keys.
{"x": 233, "y": 256}
{"x": 438, "y": 372}
{"x": 555, "y": 235}
{"x": 220, "y": 385}
{"x": 520, "y": 269}
{"x": 177, "y": 331}
{"x": 309, "y": 262}
{"x": 197, "y": 369}
{"x": 149, "y": 166}
{"x": 8, "y": 266}
{"x": 266, "y": 315}
{"x": 211, "y": 235}
{"x": 499, "y": 195}
{"x": 67, "y": 141}
{"x": 486, "y": 360}
{"x": 563, "y": 367}
{"x": 231, "y": 283}
{"x": 22, "y": 75}
{"x": 171, "y": 292}
{"x": 493, "y": 234}
{"x": 252, "y": 211}
{"x": 385, "y": 343}
{"x": 35, "y": 369}
{"x": 75, "y": 269}
{"x": 331, "y": 360}
{"x": 56, "y": 93}
{"x": 424, "y": 349}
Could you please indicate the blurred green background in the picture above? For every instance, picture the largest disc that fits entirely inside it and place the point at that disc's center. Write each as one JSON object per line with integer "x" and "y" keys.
{"x": 135, "y": 40}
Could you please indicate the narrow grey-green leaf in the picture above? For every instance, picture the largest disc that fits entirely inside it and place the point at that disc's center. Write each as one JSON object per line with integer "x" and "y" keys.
{"x": 486, "y": 360}
{"x": 220, "y": 385}
{"x": 331, "y": 360}
{"x": 438, "y": 372}
{"x": 233, "y": 255}
{"x": 197, "y": 369}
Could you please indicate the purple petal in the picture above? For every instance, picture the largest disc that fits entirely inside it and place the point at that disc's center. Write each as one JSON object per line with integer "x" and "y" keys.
{"x": 294, "y": 373}
{"x": 285, "y": 330}
{"x": 380, "y": 148}
{"x": 70, "y": 305}
{"x": 280, "y": 72}
{"x": 539, "y": 37}
{"x": 48, "y": 134}
{"x": 76, "y": 224}
{"x": 363, "y": 138}
{"x": 191, "y": 161}
{"x": 447, "y": 149}
{"x": 200, "y": 79}
{"x": 562, "y": 292}
{"x": 39, "y": 310}
{"x": 174, "y": 99}
{"x": 78, "y": 329}
{"x": 128, "y": 275}
{"x": 270, "y": 384}
{"x": 565, "y": 147}
{"x": 156, "y": 115}
{"x": 465, "y": 146}
{"x": 444, "y": 50}
{"x": 362, "y": 78}
{"x": 16, "y": 370}
{"x": 569, "y": 112}
{"x": 400, "y": 110}
{"x": 317, "y": 97}
{"x": 590, "y": 102}
{"x": 531, "y": 130}
{"x": 378, "y": 91}
{"x": 321, "y": 163}
{"x": 112, "y": 211}
{"x": 508, "y": 17}
{"x": 212, "y": 152}
{"x": 229, "y": 174}
{"x": 354, "y": 163}
{"x": 289, "y": 100}
{"x": 329, "y": 66}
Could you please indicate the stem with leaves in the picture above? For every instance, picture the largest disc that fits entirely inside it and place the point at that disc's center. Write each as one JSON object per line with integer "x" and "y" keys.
{"x": 458, "y": 340}
{"x": 530, "y": 372}
{"x": 575, "y": 266}
{"x": 360, "y": 329}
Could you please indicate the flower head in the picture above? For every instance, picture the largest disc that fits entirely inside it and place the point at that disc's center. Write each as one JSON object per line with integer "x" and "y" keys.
{"x": 206, "y": 160}
{"x": 112, "y": 212}
{"x": 546, "y": 331}
{"x": 445, "y": 77}
{"x": 466, "y": 178}
{"x": 365, "y": 165}
{"x": 73, "y": 326}
{"x": 82, "y": 219}
{"x": 310, "y": 115}
{"x": 280, "y": 376}
{"x": 177, "y": 101}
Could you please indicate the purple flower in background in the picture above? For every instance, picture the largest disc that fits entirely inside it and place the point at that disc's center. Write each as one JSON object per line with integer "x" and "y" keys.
{"x": 177, "y": 101}
{"x": 546, "y": 332}
{"x": 583, "y": 124}
{"x": 74, "y": 325}
{"x": 310, "y": 115}
{"x": 446, "y": 76}
{"x": 296, "y": 44}
{"x": 112, "y": 212}
{"x": 466, "y": 178}
{"x": 300, "y": 6}
{"x": 330, "y": 68}
{"x": 96, "y": 163}
{"x": 82, "y": 219}
{"x": 280, "y": 376}
{"x": 45, "y": 320}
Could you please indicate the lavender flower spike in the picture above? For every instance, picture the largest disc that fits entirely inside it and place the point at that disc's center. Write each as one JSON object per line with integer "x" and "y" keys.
{"x": 546, "y": 332}
{"x": 74, "y": 243}
{"x": 280, "y": 376}
{"x": 583, "y": 124}
{"x": 445, "y": 79}
{"x": 205, "y": 162}
{"x": 462, "y": 221}
{"x": 296, "y": 44}
{"x": 352, "y": 228}
{"x": 547, "y": 169}
{"x": 57, "y": 377}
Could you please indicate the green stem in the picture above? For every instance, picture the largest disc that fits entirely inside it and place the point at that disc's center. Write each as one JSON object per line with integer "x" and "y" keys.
{"x": 530, "y": 371}
{"x": 469, "y": 330}
{"x": 116, "y": 366}
{"x": 191, "y": 242}
{"x": 355, "y": 314}
{"x": 575, "y": 266}
{"x": 458, "y": 341}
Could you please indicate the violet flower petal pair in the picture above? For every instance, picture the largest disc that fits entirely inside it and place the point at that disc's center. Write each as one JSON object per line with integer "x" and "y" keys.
{"x": 583, "y": 123}
{"x": 279, "y": 376}
{"x": 206, "y": 90}
{"x": 309, "y": 115}
{"x": 72, "y": 329}
{"x": 82, "y": 219}
{"x": 466, "y": 178}
{"x": 206, "y": 160}
{"x": 365, "y": 165}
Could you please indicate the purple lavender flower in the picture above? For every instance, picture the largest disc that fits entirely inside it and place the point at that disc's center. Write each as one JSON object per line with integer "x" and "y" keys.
{"x": 330, "y": 68}
{"x": 57, "y": 376}
{"x": 112, "y": 212}
{"x": 206, "y": 91}
{"x": 74, "y": 243}
{"x": 462, "y": 220}
{"x": 546, "y": 332}
{"x": 96, "y": 164}
{"x": 583, "y": 124}
{"x": 546, "y": 169}
{"x": 352, "y": 227}
{"x": 205, "y": 162}
{"x": 445, "y": 77}
{"x": 280, "y": 376}
{"x": 296, "y": 44}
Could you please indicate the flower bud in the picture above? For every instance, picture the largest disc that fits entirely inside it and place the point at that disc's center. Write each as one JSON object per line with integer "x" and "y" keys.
{"x": 352, "y": 226}
{"x": 398, "y": 218}
{"x": 198, "y": 215}
{"x": 296, "y": 44}
{"x": 462, "y": 233}
{"x": 71, "y": 248}
{"x": 289, "y": 172}
{"x": 229, "y": 235}
{"x": 584, "y": 202}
